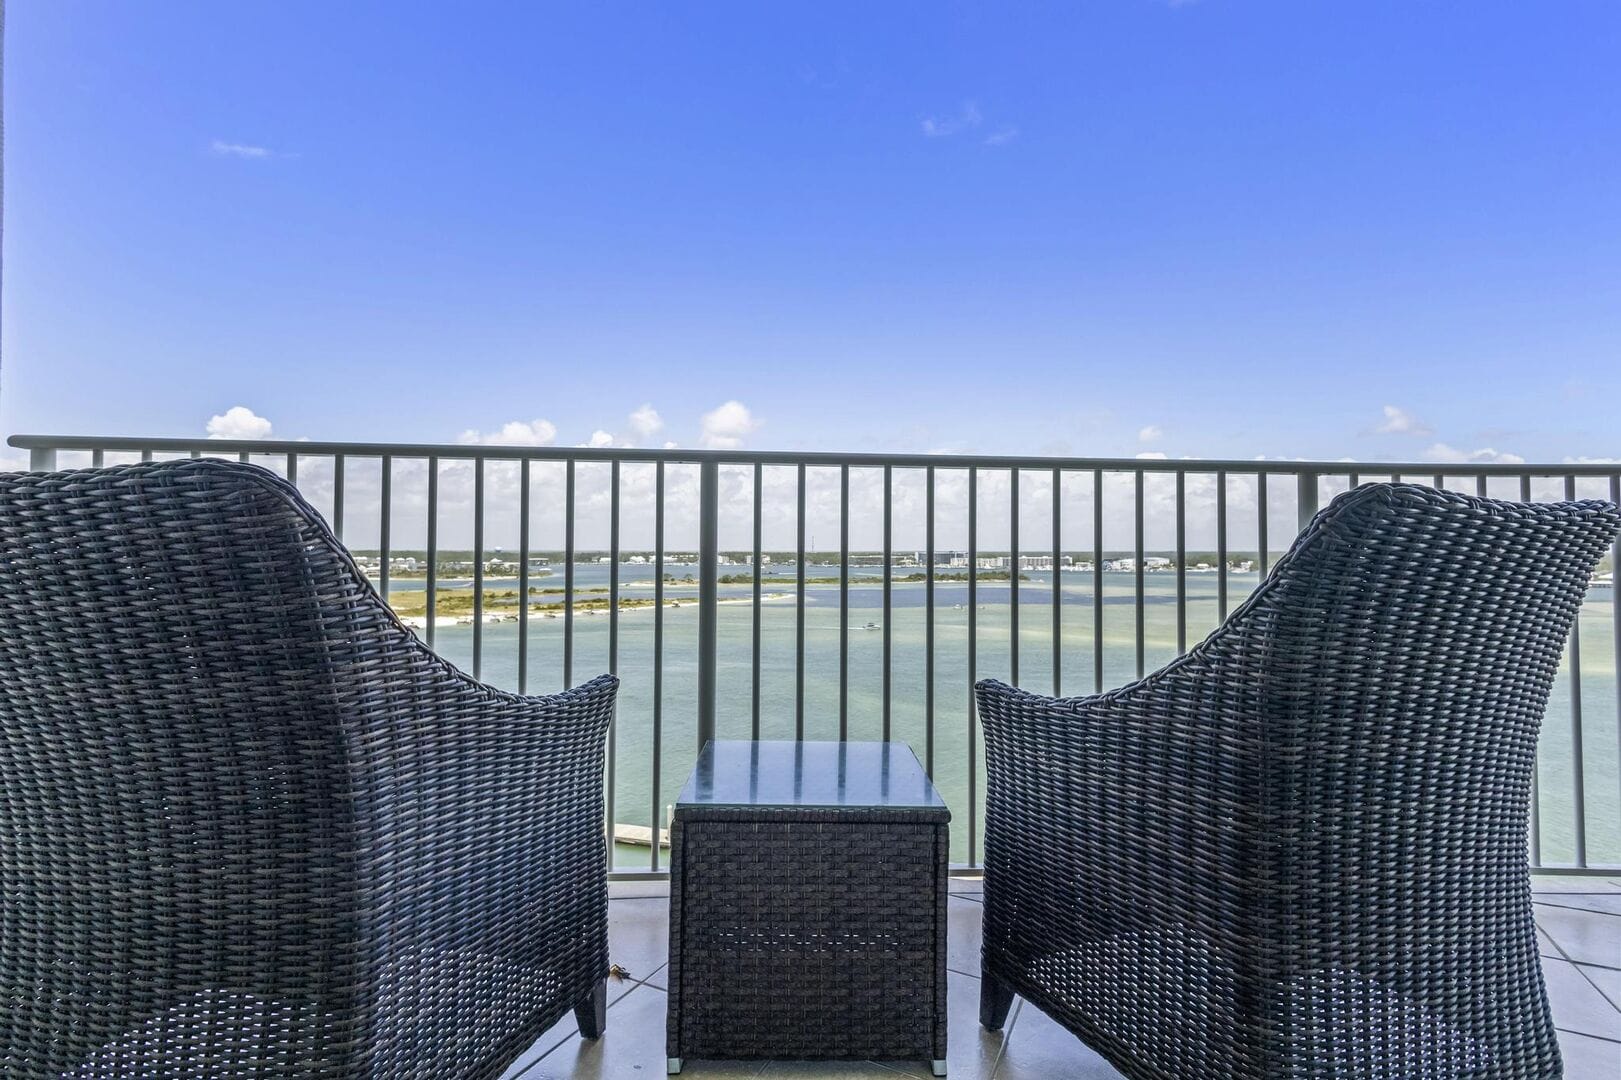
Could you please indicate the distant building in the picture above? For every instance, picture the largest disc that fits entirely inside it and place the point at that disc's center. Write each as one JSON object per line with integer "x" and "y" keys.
{"x": 943, "y": 558}
{"x": 1044, "y": 562}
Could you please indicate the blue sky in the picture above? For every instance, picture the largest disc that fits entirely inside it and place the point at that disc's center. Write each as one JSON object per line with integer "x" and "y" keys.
{"x": 1214, "y": 228}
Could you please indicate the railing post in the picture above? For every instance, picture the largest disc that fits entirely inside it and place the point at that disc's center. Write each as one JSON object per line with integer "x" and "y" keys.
{"x": 1306, "y": 499}
{"x": 708, "y": 572}
{"x": 42, "y": 459}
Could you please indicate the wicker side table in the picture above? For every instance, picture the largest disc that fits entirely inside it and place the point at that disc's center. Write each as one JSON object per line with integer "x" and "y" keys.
{"x": 808, "y": 906}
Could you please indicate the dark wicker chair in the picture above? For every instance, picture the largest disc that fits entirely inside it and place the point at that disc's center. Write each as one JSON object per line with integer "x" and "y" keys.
{"x": 249, "y": 826}
{"x": 1300, "y": 849}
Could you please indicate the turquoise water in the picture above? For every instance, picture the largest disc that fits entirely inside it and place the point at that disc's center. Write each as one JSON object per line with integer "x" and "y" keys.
{"x": 635, "y": 797}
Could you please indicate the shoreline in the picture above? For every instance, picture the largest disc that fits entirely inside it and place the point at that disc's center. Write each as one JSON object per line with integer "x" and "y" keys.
{"x": 420, "y": 622}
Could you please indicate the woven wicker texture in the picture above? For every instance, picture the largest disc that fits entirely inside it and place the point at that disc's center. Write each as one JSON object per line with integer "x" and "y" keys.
{"x": 808, "y": 934}
{"x": 1300, "y": 850}
{"x": 249, "y": 826}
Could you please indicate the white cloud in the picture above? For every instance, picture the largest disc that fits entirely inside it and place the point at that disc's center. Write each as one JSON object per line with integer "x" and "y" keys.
{"x": 1487, "y": 455}
{"x": 1152, "y": 455}
{"x": 238, "y": 422}
{"x": 599, "y": 439}
{"x": 513, "y": 433}
{"x": 725, "y": 427}
{"x": 938, "y": 127}
{"x": 1399, "y": 421}
{"x": 1150, "y": 433}
{"x": 1002, "y": 136}
{"x": 646, "y": 422}
{"x": 221, "y": 148}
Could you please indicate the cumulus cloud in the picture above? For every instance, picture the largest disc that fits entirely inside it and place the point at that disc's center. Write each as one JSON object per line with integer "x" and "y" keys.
{"x": 513, "y": 433}
{"x": 238, "y": 422}
{"x": 1399, "y": 421}
{"x": 1150, "y": 433}
{"x": 967, "y": 118}
{"x": 724, "y": 428}
{"x": 221, "y": 148}
{"x": 646, "y": 422}
{"x": 1488, "y": 456}
{"x": 599, "y": 439}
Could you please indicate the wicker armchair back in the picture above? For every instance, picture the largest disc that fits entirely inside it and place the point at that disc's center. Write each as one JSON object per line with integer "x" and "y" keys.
{"x": 1300, "y": 849}
{"x": 249, "y": 825}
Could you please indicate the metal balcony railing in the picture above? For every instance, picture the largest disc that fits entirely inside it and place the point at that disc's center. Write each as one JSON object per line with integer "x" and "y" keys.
{"x": 728, "y": 670}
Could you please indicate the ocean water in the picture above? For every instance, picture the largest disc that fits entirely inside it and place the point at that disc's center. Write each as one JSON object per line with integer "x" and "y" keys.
{"x": 639, "y": 800}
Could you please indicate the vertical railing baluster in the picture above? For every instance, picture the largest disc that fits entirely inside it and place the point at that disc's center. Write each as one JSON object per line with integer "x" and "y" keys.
{"x": 658, "y": 650}
{"x": 431, "y": 585}
{"x": 759, "y": 575}
{"x": 799, "y": 615}
{"x": 478, "y": 567}
{"x": 523, "y": 579}
{"x": 1615, "y": 619}
{"x": 1261, "y": 523}
{"x": 383, "y": 527}
{"x": 1306, "y": 498}
{"x": 1440, "y": 481}
{"x": 1221, "y": 545}
{"x": 1058, "y": 587}
{"x": 844, "y": 603}
{"x": 568, "y": 575}
{"x": 889, "y": 559}
{"x": 1578, "y": 774}
{"x": 292, "y": 467}
{"x": 973, "y": 659}
{"x": 1097, "y": 581}
{"x": 928, "y": 621}
{"x": 1181, "y": 562}
{"x": 1536, "y": 765}
{"x": 1355, "y": 479}
{"x": 146, "y": 455}
{"x": 42, "y": 459}
{"x": 610, "y": 779}
{"x": 1138, "y": 576}
{"x": 337, "y": 496}
{"x": 98, "y": 458}
{"x": 1013, "y": 578}
{"x": 708, "y": 594}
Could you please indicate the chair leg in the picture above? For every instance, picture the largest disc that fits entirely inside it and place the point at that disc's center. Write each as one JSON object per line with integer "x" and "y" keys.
{"x": 995, "y": 999}
{"x": 591, "y": 1011}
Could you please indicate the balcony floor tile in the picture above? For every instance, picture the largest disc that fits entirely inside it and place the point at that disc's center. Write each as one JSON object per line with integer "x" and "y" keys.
{"x": 1576, "y": 941}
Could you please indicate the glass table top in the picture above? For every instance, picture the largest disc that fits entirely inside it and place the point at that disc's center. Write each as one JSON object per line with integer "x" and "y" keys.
{"x": 812, "y": 775}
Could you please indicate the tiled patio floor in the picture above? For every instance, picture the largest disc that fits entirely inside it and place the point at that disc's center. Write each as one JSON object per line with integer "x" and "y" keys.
{"x": 1580, "y": 920}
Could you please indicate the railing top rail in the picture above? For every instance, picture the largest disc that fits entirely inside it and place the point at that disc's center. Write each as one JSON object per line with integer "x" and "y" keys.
{"x": 135, "y": 444}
